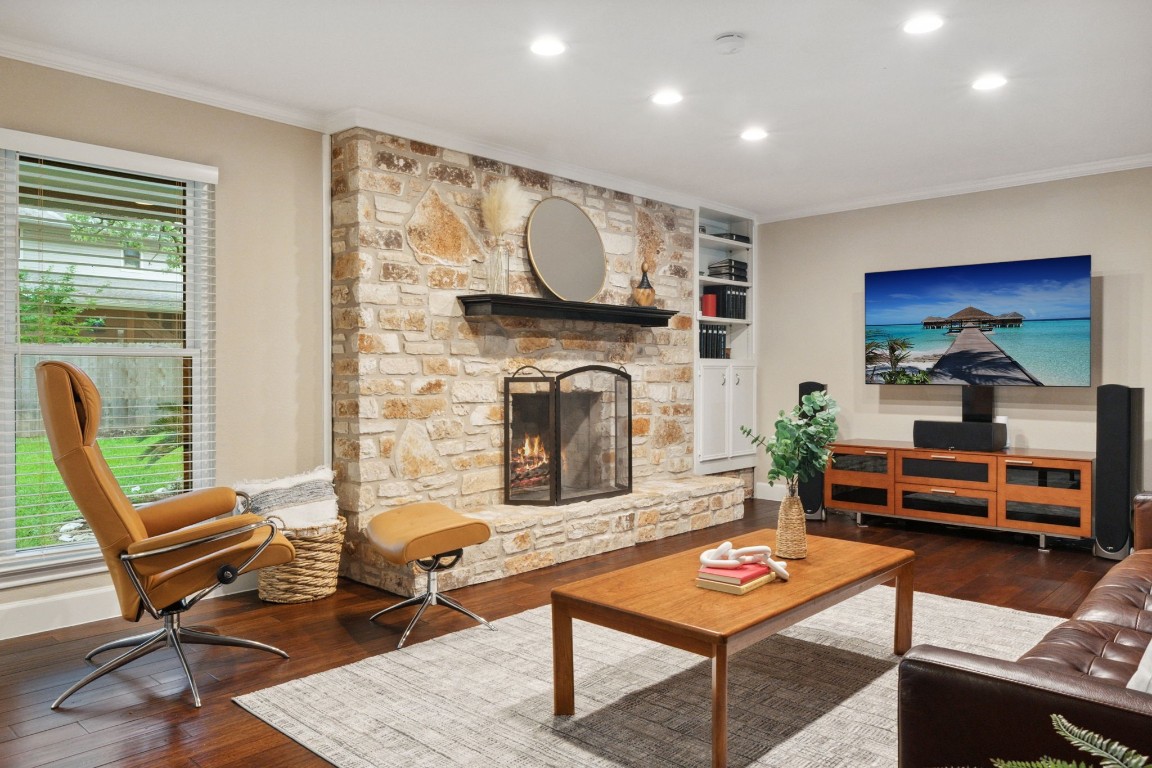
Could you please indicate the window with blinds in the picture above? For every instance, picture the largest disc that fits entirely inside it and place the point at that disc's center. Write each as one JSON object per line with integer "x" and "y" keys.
{"x": 110, "y": 269}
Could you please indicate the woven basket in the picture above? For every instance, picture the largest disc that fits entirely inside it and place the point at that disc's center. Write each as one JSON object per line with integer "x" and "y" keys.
{"x": 312, "y": 575}
{"x": 791, "y": 536}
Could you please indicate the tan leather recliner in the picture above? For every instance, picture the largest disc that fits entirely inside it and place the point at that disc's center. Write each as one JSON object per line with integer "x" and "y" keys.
{"x": 163, "y": 557}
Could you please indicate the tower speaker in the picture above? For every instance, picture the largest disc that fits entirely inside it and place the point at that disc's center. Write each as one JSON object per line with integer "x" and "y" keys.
{"x": 812, "y": 491}
{"x": 1119, "y": 467}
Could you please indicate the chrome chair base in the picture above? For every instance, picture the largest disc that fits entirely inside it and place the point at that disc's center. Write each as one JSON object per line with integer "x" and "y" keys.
{"x": 432, "y": 596}
{"x": 173, "y": 635}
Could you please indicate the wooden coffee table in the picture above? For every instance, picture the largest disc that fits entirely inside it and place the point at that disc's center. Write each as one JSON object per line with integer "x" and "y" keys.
{"x": 660, "y": 601}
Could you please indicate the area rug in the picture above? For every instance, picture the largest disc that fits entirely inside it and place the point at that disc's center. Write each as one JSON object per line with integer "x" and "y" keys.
{"x": 818, "y": 695}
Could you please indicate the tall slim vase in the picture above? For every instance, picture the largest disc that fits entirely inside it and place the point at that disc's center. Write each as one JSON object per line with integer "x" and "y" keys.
{"x": 496, "y": 267}
{"x": 791, "y": 533}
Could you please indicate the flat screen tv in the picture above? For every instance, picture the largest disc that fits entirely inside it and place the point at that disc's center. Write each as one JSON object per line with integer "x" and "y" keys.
{"x": 1007, "y": 323}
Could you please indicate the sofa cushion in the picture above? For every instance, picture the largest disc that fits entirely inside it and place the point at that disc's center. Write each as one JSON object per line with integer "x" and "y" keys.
{"x": 1107, "y": 652}
{"x": 1123, "y": 596}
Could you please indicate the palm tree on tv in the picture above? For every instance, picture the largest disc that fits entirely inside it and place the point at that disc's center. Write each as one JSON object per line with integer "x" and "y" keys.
{"x": 891, "y": 352}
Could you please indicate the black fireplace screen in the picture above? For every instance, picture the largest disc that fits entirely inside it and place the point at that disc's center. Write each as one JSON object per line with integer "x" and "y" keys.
{"x": 567, "y": 438}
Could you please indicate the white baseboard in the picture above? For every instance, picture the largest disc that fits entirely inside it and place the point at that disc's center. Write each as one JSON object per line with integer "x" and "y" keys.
{"x": 770, "y": 492}
{"x": 43, "y": 614}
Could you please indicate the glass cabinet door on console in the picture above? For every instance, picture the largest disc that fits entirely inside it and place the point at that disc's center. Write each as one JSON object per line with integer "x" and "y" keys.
{"x": 955, "y": 469}
{"x": 860, "y": 479}
{"x": 950, "y": 486}
{"x": 1046, "y": 495}
{"x": 939, "y": 502}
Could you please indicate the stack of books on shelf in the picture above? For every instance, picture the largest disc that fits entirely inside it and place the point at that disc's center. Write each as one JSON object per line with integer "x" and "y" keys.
{"x": 713, "y": 341}
{"x": 734, "y": 581}
{"x": 730, "y": 301}
{"x": 729, "y": 269}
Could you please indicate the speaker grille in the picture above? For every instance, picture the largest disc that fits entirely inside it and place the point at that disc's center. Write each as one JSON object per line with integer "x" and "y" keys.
{"x": 1119, "y": 463}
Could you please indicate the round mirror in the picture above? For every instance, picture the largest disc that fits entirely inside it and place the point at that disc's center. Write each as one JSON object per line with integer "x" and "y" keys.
{"x": 565, "y": 249}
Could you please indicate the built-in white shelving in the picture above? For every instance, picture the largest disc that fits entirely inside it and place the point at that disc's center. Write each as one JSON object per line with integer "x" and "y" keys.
{"x": 725, "y": 367}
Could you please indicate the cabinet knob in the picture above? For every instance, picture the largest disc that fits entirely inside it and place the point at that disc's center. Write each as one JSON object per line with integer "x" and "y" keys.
{"x": 1022, "y": 462}
{"x": 944, "y": 491}
{"x": 737, "y": 379}
{"x": 723, "y": 379}
{"x": 942, "y": 457}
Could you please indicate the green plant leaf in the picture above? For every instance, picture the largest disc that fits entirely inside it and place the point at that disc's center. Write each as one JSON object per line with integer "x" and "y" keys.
{"x": 798, "y": 448}
{"x": 1114, "y": 754}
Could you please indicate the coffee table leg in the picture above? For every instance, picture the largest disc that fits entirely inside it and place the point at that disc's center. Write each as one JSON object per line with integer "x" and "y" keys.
{"x": 903, "y": 639}
{"x": 563, "y": 686}
{"x": 720, "y": 708}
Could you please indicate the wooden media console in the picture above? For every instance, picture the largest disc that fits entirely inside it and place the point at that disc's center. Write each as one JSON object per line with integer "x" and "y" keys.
{"x": 1045, "y": 492}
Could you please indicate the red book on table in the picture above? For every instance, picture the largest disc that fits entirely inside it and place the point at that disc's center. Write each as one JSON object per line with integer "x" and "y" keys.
{"x": 739, "y": 575}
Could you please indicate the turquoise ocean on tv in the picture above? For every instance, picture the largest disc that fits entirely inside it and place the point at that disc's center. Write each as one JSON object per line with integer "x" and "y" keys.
{"x": 1057, "y": 352}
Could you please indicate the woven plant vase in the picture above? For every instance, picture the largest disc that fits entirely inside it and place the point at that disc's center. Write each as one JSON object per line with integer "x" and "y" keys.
{"x": 791, "y": 537}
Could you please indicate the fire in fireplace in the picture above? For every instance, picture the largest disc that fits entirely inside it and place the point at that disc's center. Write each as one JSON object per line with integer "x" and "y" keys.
{"x": 567, "y": 438}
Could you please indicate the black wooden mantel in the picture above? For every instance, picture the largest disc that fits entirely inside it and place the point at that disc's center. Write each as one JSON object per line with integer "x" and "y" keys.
{"x": 498, "y": 304}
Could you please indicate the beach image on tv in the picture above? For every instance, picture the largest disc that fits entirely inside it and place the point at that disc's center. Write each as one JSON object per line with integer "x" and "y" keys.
{"x": 1022, "y": 323}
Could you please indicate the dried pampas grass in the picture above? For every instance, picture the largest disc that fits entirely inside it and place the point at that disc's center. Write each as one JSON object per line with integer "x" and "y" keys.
{"x": 501, "y": 206}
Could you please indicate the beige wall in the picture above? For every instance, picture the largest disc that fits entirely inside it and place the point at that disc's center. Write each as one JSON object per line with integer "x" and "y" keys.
{"x": 270, "y": 256}
{"x": 811, "y": 281}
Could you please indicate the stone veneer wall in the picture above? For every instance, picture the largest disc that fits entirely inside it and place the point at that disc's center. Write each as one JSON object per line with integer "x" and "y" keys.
{"x": 417, "y": 388}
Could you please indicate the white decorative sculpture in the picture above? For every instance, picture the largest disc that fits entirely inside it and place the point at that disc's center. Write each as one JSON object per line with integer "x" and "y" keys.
{"x": 724, "y": 556}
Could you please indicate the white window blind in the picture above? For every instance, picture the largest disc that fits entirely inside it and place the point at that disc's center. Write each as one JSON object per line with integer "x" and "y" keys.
{"x": 111, "y": 269}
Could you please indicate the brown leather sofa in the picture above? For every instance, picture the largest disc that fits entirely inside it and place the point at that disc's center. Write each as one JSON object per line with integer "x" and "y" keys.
{"x": 960, "y": 708}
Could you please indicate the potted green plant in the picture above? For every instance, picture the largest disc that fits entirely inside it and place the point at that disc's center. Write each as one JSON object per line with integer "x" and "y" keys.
{"x": 799, "y": 451}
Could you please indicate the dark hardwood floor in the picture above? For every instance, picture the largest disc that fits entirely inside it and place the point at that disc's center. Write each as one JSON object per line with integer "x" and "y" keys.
{"x": 141, "y": 715}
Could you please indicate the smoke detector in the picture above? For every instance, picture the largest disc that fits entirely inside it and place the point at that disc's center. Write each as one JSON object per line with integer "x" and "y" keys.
{"x": 729, "y": 43}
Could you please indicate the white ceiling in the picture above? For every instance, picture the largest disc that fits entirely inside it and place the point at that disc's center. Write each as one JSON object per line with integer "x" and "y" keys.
{"x": 859, "y": 113}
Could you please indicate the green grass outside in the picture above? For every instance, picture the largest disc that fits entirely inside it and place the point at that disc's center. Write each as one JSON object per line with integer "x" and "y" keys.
{"x": 43, "y": 503}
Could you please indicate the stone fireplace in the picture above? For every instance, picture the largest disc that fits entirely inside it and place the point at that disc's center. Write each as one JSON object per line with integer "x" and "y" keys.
{"x": 567, "y": 438}
{"x": 418, "y": 386}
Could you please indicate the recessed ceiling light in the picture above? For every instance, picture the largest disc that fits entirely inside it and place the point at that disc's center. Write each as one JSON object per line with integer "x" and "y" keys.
{"x": 754, "y": 134}
{"x": 925, "y": 22}
{"x": 989, "y": 82}
{"x": 667, "y": 96}
{"x": 548, "y": 46}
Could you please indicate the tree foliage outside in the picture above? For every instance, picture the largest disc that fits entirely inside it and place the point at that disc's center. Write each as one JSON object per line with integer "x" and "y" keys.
{"x": 156, "y": 235}
{"x": 799, "y": 448}
{"x": 49, "y": 310}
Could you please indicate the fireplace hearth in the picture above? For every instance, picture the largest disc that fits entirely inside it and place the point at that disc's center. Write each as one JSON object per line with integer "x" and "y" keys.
{"x": 567, "y": 438}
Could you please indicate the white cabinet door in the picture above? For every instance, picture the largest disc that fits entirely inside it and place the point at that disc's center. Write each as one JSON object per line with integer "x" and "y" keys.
{"x": 742, "y": 396}
{"x": 712, "y": 412}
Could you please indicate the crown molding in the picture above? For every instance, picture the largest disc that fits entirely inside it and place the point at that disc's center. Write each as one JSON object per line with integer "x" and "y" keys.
{"x": 358, "y": 118}
{"x": 100, "y": 69}
{"x": 965, "y": 188}
{"x": 46, "y": 56}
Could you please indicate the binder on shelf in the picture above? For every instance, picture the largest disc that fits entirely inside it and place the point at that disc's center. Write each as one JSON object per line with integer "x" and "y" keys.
{"x": 733, "y": 236}
{"x": 731, "y": 301}
{"x": 729, "y": 269}
{"x": 713, "y": 340}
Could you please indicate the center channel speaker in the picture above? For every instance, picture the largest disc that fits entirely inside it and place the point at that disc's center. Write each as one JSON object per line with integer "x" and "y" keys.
{"x": 1119, "y": 467}
{"x": 812, "y": 491}
{"x": 960, "y": 435}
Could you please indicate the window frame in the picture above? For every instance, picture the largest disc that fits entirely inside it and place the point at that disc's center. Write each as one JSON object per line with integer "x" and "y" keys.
{"x": 198, "y": 346}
